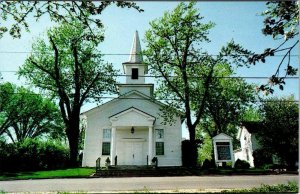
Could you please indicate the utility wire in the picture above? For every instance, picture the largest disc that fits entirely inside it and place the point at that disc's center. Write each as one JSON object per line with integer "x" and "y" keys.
{"x": 158, "y": 99}
{"x": 120, "y": 54}
{"x": 157, "y": 76}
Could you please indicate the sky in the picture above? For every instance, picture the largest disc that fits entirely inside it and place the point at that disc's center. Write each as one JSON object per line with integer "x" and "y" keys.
{"x": 240, "y": 21}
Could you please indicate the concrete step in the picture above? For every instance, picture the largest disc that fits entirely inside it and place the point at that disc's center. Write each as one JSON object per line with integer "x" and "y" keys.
{"x": 136, "y": 172}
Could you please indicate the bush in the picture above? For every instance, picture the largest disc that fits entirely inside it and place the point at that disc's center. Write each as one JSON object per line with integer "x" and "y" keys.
{"x": 207, "y": 164}
{"x": 31, "y": 155}
{"x": 189, "y": 153}
{"x": 261, "y": 158}
{"x": 290, "y": 187}
{"x": 241, "y": 164}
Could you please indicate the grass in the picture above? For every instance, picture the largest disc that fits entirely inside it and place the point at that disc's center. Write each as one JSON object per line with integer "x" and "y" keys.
{"x": 290, "y": 187}
{"x": 65, "y": 173}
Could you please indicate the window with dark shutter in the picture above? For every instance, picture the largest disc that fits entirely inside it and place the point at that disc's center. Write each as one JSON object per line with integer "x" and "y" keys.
{"x": 135, "y": 73}
{"x": 159, "y": 147}
{"x": 106, "y": 148}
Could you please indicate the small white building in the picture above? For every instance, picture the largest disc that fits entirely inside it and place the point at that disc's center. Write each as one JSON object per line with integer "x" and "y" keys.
{"x": 223, "y": 149}
{"x": 249, "y": 143}
{"x": 129, "y": 127}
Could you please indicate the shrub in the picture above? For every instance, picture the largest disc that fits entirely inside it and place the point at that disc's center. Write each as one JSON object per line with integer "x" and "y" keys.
{"x": 207, "y": 164}
{"x": 290, "y": 187}
{"x": 31, "y": 155}
{"x": 241, "y": 164}
{"x": 261, "y": 158}
{"x": 188, "y": 154}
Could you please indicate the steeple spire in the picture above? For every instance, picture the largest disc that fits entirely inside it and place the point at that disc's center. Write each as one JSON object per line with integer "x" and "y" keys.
{"x": 135, "y": 54}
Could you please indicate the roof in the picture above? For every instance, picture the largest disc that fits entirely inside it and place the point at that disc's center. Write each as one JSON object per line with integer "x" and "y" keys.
{"x": 252, "y": 126}
{"x": 124, "y": 96}
{"x": 222, "y": 136}
{"x": 132, "y": 108}
{"x": 135, "y": 53}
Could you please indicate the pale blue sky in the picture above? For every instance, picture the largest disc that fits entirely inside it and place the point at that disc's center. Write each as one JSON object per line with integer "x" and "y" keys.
{"x": 240, "y": 21}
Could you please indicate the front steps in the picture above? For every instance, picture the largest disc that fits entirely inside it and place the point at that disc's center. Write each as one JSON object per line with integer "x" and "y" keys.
{"x": 141, "y": 171}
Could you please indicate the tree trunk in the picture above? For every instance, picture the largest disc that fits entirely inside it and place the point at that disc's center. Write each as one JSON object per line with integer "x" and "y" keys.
{"x": 193, "y": 154}
{"x": 73, "y": 137}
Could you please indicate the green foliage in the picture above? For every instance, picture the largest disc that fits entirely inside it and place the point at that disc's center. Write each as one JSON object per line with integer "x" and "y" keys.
{"x": 241, "y": 164}
{"x": 251, "y": 114}
{"x": 185, "y": 71}
{"x": 32, "y": 154}
{"x": 280, "y": 128}
{"x": 24, "y": 114}
{"x": 227, "y": 101}
{"x": 290, "y": 187}
{"x": 208, "y": 164}
{"x": 205, "y": 150}
{"x": 69, "y": 68}
{"x": 174, "y": 55}
{"x": 84, "y": 11}
{"x": 262, "y": 157}
{"x": 64, "y": 173}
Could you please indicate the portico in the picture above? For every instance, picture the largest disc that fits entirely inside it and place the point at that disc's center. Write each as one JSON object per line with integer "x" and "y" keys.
{"x": 131, "y": 136}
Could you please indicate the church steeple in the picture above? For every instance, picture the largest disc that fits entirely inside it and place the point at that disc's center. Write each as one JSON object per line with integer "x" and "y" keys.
{"x": 135, "y": 71}
{"x": 134, "y": 68}
{"x": 135, "y": 54}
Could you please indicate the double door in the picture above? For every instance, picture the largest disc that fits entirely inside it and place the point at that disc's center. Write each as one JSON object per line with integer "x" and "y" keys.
{"x": 133, "y": 153}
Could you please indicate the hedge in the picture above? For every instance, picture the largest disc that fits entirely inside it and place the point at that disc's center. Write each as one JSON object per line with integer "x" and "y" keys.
{"x": 31, "y": 155}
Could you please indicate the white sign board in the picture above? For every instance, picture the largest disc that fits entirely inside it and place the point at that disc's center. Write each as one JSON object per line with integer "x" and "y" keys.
{"x": 223, "y": 149}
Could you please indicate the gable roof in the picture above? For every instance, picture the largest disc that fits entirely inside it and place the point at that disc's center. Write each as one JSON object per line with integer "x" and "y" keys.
{"x": 131, "y": 109}
{"x": 222, "y": 136}
{"x": 125, "y": 96}
{"x": 142, "y": 118}
{"x": 252, "y": 126}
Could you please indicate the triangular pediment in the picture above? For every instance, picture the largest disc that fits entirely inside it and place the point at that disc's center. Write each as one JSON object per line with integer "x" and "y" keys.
{"x": 132, "y": 117}
{"x": 222, "y": 136}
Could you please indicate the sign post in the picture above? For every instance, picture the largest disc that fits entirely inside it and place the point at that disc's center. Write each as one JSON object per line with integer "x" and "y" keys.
{"x": 223, "y": 149}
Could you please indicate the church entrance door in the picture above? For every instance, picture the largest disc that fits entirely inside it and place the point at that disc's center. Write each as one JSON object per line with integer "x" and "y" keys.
{"x": 133, "y": 153}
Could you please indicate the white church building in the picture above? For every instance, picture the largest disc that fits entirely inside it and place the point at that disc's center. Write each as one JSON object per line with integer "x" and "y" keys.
{"x": 128, "y": 129}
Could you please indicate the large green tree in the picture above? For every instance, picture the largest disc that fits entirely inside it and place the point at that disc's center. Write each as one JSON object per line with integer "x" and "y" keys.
{"x": 228, "y": 99}
{"x": 70, "y": 68}
{"x": 280, "y": 128}
{"x": 185, "y": 70}
{"x": 6, "y": 113}
{"x": 85, "y": 11}
{"x": 25, "y": 114}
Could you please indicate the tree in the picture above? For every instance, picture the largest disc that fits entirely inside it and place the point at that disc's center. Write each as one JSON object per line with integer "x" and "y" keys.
{"x": 70, "y": 69}
{"x": 280, "y": 128}
{"x": 252, "y": 113}
{"x": 183, "y": 69}
{"x": 6, "y": 114}
{"x": 58, "y": 11}
{"x": 28, "y": 115}
{"x": 206, "y": 150}
{"x": 228, "y": 99}
{"x": 281, "y": 22}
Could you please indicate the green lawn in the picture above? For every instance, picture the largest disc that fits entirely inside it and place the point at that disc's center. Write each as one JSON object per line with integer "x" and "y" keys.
{"x": 66, "y": 173}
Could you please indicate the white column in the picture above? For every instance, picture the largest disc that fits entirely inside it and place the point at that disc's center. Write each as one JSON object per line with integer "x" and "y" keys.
{"x": 150, "y": 145}
{"x": 113, "y": 146}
